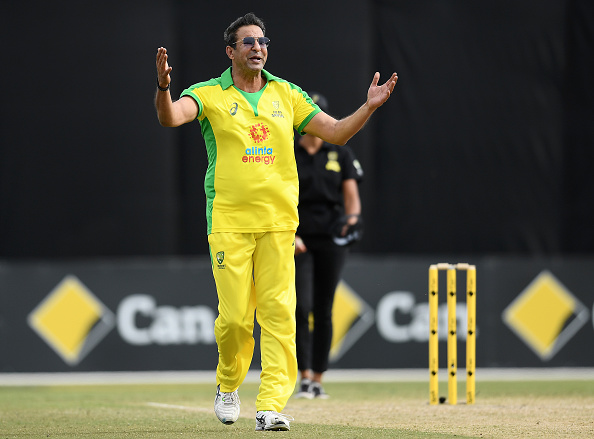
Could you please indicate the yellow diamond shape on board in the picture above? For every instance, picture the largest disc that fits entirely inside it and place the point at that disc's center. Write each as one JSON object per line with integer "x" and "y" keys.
{"x": 545, "y": 315}
{"x": 71, "y": 320}
{"x": 351, "y": 317}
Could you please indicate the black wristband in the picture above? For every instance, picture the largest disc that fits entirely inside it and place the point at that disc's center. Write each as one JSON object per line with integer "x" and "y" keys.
{"x": 161, "y": 88}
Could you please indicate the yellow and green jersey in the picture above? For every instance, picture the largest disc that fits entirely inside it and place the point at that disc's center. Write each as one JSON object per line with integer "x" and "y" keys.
{"x": 251, "y": 182}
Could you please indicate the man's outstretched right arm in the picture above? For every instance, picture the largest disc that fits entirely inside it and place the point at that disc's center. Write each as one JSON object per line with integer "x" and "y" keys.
{"x": 171, "y": 114}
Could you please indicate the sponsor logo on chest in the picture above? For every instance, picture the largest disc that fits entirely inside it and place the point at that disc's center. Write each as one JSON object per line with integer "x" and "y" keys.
{"x": 260, "y": 154}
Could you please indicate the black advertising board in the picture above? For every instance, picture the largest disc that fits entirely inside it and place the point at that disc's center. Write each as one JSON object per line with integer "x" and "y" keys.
{"x": 158, "y": 314}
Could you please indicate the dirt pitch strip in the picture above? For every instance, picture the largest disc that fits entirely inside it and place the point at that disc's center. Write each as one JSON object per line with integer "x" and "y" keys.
{"x": 502, "y": 417}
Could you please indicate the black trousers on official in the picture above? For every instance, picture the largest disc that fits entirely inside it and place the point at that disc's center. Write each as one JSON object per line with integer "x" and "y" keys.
{"x": 317, "y": 273}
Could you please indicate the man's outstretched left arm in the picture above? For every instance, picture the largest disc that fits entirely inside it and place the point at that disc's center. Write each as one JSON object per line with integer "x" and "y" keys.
{"x": 340, "y": 131}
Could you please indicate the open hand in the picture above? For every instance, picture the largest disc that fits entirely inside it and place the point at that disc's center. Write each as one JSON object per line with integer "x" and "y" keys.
{"x": 378, "y": 94}
{"x": 163, "y": 68}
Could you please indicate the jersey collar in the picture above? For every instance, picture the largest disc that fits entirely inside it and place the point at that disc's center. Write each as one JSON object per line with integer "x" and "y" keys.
{"x": 227, "y": 78}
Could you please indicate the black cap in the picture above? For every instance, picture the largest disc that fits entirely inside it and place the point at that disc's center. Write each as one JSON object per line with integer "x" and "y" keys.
{"x": 320, "y": 100}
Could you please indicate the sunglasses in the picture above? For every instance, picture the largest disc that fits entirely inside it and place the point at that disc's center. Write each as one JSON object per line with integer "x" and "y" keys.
{"x": 250, "y": 41}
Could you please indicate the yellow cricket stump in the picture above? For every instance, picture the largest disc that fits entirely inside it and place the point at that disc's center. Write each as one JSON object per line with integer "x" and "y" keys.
{"x": 433, "y": 340}
{"x": 452, "y": 332}
{"x": 452, "y": 338}
{"x": 471, "y": 335}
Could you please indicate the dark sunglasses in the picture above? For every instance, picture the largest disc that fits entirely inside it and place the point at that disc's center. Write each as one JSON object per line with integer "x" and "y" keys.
{"x": 250, "y": 41}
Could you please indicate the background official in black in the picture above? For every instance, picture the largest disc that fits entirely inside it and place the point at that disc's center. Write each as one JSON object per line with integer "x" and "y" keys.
{"x": 329, "y": 220}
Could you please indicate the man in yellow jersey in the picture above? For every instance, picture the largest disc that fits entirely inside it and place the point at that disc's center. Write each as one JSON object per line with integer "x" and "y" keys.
{"x": 247, "y": 117}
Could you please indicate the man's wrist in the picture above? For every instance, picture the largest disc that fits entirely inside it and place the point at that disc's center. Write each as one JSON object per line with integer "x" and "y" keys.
{"x": 368, "y": 108}
{"x": 163, "y": 88}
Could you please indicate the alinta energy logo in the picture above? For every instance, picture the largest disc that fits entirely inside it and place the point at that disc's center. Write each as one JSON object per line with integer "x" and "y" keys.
{"x": 546, "y": 315}
{"x": 71, "y": 320}
{"x": 260, "y": 154}
{"x": 351, "y": 318}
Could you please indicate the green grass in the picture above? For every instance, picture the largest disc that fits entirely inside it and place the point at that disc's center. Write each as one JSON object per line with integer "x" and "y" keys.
{"x": 401, "y": 410}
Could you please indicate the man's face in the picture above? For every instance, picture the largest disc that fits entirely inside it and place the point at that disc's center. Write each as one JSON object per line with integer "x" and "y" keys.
{"x": 246, "y": 57}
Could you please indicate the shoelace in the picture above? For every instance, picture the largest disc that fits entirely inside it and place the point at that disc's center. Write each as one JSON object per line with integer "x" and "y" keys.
{"x": 230, "y": 398}
{"x": 284, "y": 417}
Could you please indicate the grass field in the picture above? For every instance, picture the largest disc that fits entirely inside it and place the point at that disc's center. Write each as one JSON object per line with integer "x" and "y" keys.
{"x": 514, "y": 409}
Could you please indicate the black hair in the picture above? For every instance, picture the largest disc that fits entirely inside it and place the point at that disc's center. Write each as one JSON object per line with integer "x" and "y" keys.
{"x": 248, "y": 19}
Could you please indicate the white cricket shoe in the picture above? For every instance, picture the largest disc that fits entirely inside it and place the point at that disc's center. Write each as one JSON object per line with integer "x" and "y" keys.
{"x": 272, "y": 421}
{"x": 226, "y": 406}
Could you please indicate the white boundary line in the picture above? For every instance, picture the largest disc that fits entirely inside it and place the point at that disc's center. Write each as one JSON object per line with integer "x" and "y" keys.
{"x": 333, "y": 375}
{"x": 161, "y": 405}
